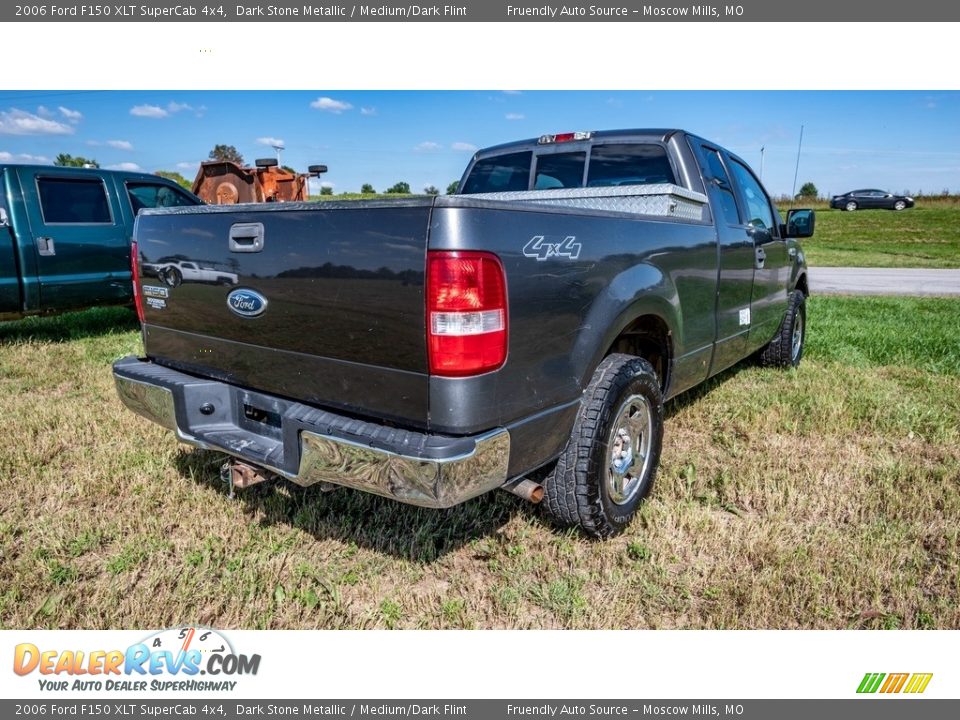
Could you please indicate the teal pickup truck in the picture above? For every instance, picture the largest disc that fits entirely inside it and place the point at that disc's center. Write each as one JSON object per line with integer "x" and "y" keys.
{"x": 65, "y": 235}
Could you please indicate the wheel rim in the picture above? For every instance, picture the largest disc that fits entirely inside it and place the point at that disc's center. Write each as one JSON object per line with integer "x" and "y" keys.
{"x": 797, "y": 344}
{"x": 851, "y": 206}
{"x": 900, "y": 205}
{"x": 628, "y": 449}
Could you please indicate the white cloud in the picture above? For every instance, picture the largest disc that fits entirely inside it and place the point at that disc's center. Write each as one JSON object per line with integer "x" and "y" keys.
{"x": 44, "y": 111}
{"x": 428, "y": 146}
{"x": 175, "y": 107}
{"x": 73, "y": 116}
{"x": 330, "y": 105}
{"x": 368, "y": 111}
{"x": 20, "y": 122}
{"x": 9, "y": 157}
{"x": 148, "y": 111}
{"x": 271, "y": 141}
{"x": 128, "y": 166}
{"x": 188, "y": 165}
{"x": 515, "y": 116}
{"x": 120, "y": 144}
{"x": 463, "y": 147}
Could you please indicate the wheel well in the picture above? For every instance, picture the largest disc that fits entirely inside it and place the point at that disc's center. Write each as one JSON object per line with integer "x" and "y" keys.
{"x": 648, "y": 337}
{"x": 802, "y": 285}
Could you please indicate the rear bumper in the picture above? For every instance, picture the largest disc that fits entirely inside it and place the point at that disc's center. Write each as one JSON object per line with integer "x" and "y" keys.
{"x": 307, "y": 445}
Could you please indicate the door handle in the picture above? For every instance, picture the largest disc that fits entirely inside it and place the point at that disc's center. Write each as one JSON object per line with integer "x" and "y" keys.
{"x": 246, "y": 237}
{"x": 761, "y": 257}
{"x": 45, "y": 246}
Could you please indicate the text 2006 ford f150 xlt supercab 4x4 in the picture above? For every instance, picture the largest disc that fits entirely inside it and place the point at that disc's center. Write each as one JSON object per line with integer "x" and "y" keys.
{"x": 433, "y": 349}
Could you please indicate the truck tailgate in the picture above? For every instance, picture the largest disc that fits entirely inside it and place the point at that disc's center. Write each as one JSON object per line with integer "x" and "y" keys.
{"x": 329, "y": 310}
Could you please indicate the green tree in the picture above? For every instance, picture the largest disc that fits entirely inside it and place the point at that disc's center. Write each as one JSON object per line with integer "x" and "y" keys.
{"x": 326, "y": 190}
{"x": 401, "y": 188}
{"x": 367, "y": 189}
{"x": 288, "y": 169}
{"x": 453, "y": 187}
{"x": 226, "y": 152}
{"x": 808, "y": 191}
{"x": 65, "y": 160}
{"x": 431, "y": 190}
{"x": 176, "y": 177}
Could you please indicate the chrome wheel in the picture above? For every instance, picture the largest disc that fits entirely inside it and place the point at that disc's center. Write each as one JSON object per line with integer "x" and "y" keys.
{"x": 628, "y": 448}
{"x": 899, "y": 205}
{"x": 851, "y": 206}
{"x": 796, "y": 346}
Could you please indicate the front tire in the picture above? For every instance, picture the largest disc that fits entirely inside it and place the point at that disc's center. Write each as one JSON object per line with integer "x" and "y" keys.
{"x": 611, "y": 459}
{"x": 850, "y": 206}
{"x": 900, "y": 205}
{"x": 786, "y": 348}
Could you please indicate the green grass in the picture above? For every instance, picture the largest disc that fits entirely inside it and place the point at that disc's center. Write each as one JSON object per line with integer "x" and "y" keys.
{"x": 825, "y": 497}
{"x": 926, "y": 236}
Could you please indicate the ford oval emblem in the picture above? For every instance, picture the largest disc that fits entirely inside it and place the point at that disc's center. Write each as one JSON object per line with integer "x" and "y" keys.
{"x": 246, "y": 303}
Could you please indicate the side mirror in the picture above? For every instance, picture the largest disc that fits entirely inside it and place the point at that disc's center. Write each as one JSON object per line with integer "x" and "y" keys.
{"x": 317, "y": 169}
{"x": 800, "y": 224}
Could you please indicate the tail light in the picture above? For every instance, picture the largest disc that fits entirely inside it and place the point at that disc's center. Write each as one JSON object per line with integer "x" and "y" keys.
{"x": 135, "y": 278}
{"x": 466, "y": 313}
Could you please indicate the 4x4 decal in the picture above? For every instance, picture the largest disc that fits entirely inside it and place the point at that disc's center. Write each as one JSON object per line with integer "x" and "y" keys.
{"x": 542, "y": 248}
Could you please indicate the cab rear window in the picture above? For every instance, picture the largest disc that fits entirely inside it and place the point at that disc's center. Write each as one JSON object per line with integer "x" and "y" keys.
{"x": 607, "y": 165}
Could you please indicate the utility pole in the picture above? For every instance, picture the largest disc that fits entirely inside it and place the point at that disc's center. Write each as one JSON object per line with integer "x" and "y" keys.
{"x": 796, "y": 170}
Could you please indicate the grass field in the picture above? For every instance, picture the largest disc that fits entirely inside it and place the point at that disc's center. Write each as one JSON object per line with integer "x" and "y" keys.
{"x": 926, "y": 236}
{"x": 826, "y": 497}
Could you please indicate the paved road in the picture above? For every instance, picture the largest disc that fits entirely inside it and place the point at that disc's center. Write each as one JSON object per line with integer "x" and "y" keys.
{"x": 883, "y": 281}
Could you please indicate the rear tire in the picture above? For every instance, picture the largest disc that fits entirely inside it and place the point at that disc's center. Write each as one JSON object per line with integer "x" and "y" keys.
{"x": 786, "y": 348}
{"x": 171, "y": 277}
{"x": 611, "y": 459}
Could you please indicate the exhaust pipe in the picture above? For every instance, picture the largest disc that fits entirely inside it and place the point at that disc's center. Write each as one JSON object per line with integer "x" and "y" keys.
{"x": 527, "y": 489}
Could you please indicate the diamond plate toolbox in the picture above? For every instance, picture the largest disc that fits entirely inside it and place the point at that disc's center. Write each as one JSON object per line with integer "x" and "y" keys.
{"x": 661, "y": 200}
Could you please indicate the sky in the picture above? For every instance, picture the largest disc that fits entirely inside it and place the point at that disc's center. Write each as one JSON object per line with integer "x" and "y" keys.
{"x": 894, "y": 140}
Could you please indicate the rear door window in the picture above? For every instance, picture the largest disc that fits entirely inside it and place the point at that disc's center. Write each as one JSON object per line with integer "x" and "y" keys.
{"x": 718, "y": 173}
{"x": 629, "y": 164}
{"x": 81, "y": 201}
{"x": 501, "y": 173}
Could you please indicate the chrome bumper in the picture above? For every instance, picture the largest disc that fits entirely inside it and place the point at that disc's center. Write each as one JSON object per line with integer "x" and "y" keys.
{"x": 437, "y": 481}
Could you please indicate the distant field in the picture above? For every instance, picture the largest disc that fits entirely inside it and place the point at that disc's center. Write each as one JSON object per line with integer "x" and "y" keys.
{"x": 925, "y": 236}
{"x": 826, "y": 497}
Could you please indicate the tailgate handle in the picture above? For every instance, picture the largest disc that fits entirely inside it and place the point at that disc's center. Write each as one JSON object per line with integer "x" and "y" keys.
{"x": 246, "y": 237}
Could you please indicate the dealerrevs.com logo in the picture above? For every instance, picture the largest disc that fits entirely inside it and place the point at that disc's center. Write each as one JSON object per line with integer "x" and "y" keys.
{"x": 179, "y": 659}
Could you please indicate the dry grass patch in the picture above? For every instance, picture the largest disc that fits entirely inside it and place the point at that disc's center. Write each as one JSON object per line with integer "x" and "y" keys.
{"x": 820, "y": 498}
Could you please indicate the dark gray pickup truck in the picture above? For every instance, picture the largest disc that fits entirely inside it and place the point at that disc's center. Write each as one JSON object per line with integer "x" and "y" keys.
{"x": 433, "y": 349}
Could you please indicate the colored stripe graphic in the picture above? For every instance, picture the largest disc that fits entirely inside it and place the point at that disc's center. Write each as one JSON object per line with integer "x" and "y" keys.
{"x": 894, "y": 683}
{"x": 918, "y": 683}
{"x": 870, "y": 682}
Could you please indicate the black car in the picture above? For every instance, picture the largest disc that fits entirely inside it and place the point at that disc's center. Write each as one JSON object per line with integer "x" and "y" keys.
{"x": 870, "y": 199}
